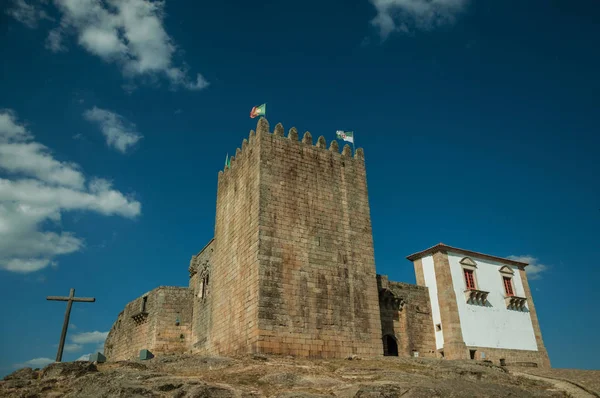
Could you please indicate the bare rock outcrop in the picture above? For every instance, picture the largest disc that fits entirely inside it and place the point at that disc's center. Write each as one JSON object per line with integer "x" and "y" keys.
{"x": 187, "y": 376}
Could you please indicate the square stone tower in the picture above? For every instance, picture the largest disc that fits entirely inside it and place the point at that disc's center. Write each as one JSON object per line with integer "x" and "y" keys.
{"x": 293, "y": 268}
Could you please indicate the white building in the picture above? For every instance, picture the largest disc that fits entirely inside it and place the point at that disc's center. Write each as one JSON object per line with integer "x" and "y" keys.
{"x": 481, "y": 306}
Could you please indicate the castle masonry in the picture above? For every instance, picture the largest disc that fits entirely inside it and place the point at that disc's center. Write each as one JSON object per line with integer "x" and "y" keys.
{"x": 291, "y": 269}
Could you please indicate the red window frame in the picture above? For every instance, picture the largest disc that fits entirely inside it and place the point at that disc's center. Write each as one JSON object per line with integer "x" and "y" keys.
{"x": 508, "y": 288}
{"x": 470, "y": 279}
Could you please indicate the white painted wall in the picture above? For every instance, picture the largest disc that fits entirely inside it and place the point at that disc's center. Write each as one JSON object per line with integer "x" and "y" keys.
{"x": 429, "y": 274}
{"x": 495, "y": 326}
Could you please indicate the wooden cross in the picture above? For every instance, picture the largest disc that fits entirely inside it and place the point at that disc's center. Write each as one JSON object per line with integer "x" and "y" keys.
{"x": 69, "y": 301}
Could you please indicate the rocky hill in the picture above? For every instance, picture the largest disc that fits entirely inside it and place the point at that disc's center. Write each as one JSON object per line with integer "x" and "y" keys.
{"x": 286, "y": 377}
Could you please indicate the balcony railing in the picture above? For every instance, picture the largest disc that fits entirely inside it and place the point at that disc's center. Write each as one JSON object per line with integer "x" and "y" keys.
{"x": 515, "y": 302}
{"x": 475, "y": 296}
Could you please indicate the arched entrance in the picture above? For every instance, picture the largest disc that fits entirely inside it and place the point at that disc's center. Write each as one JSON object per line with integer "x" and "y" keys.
{"x": 390, "y": 346}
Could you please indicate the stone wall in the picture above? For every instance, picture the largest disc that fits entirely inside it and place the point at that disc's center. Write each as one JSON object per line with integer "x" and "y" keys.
{"x": 143, "y": 324}
{"x": 317, "y": 283}
{"x": 406, "y": 315}
{"x": 454, "y": 345}
{"x": 234, "y": 269}
{"x": 128, "y": 336}
{"x": 201, "y": 265}
{"x": 543, "y": 358}
{"x": 500, "y": 356}
{"x": 173, "y": 323}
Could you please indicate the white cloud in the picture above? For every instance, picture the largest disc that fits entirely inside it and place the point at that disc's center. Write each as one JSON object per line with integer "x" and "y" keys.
{"x": 89, "y": 337}
{"x": 11, "y": 130}
{"x": 35, "y": 363}
{"x": 54, "y": 41}
{"x": 406, "y": 15}
{"x": 129, "y": 33}
{"x": 35, "y": 160}
{"x": 99, "y": 348}
{"x": 39, "y": 188}
{"x": 85, "y": 357}
{"x": 119, "y": 133}
{"x": 73, "y": 347}
{"x": 28, "y": 13}
{"x": 534, "y": 269}
{"x": 94, "y": 337}
{"x": 18, "y": 154}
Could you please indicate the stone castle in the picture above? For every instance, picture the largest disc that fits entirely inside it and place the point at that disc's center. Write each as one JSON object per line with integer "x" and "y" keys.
{"x": 291, "y": 271}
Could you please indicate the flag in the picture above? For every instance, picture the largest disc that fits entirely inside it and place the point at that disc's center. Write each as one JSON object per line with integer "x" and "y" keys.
{"x": 227, "y": 162}
{"x": 258, "y": 111}
{"x": 345, "y": 135}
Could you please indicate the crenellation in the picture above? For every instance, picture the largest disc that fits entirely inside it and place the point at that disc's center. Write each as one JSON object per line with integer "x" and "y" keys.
{"x": 307, "y": 139}
{"x": 359, "y": 154}
{"x": 262, "y": 127}
{"x": 334, "y": 147}
{"x": 293, "y": 134}
{"x": 321, "y": 143}
{"x": 347, "y": 151}
{"x": 278, "y": 132}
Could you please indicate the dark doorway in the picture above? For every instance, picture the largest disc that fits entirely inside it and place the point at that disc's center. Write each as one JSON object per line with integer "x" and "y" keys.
{"x": 472, "y": 352}
{"x": 390, "y": 347}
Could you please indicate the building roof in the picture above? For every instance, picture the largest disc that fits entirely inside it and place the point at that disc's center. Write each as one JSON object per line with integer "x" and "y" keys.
{"x": 443, "y": 247}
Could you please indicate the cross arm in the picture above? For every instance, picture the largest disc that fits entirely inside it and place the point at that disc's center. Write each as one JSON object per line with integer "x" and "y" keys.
{"x": 58, "y": 298}
{"x": 85, "y": 299}
{"x": 80, "y": 299}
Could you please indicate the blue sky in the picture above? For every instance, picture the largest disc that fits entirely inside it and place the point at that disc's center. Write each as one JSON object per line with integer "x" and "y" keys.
{"x": 479, "y": 122}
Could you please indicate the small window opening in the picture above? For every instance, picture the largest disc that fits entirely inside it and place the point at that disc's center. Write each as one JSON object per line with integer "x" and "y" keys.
{"x": 204, "y": 287}
{"x": 144, "y": 301}
{"x": 472, "y": 353}
{"x": 438, "y": 327}
{"x": 469, "y": 279}
{"x": 508, "y": 286}
{"x": 502, "y": 362}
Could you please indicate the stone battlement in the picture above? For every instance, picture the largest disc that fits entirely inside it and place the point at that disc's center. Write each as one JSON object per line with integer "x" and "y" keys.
{"x": 262, "y": 129}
